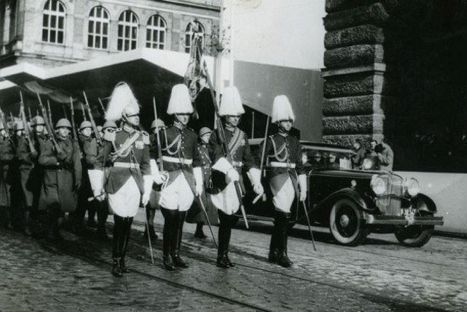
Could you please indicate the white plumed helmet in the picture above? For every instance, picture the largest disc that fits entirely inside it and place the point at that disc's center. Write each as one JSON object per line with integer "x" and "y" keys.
{"x": 122, "y": 102}
{"x": 180, "y": 101}
{"x": 231, "y": 103}
{"x": 281, "y": 109}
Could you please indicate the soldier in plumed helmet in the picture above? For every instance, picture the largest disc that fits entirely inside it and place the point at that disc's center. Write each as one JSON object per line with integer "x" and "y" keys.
{"x": 286, "y": 176}
{"x": 227, "y": 169}
{"x": 183, "y": 178}
{"x": 128, "y": 182}
{"x": 61, "y": 178}
{"x": 156, "y": 125}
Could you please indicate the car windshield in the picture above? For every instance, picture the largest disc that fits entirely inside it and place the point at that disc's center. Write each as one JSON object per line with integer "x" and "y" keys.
{"x": 326, "y": 157}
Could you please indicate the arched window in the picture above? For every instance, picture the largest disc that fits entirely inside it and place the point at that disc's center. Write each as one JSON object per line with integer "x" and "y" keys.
{"x": 155, "y": 32}
{"x": 98, "y": 28}
{"x": 53, "y": 22}
{"x": 127, "y": 31}
{"x": 191, "y": 29}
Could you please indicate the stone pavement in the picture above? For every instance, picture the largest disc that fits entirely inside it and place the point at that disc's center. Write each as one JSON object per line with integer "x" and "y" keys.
{"x": 380, "y": 276}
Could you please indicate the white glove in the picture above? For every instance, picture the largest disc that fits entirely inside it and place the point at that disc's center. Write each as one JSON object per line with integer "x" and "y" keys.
{"x": 254, "y": 175}
{"x": 198, "y": 173}
{"x": 232, "y": 176}
{"x": 148, "y": 181}
{"x": 158, "y": 176}
{"x": 258, "y": 189}
{"x": 302, "y": 183}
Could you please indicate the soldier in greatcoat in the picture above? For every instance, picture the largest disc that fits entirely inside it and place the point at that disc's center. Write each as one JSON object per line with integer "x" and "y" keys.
{"x": 128, "y": 181}
{"x": 227, "y": 170}
{"x": 7, "y": 155}
{"x": 27, "y": 155}
{"x": 182, "y": 177}
{"x": 61, "y": 178}
{"x": 286, "y": 177}
{"x": 89, "y": 150}
{"x": 195, "y": 214}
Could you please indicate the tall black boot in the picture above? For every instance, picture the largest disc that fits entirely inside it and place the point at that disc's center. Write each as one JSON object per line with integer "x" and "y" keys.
{"x": 102, "y": 214}
{"x": 273, "y": 246}
{"x": 283, "y": 259}
{"x": 224, "y": 240}
{"x": 116, "y": 243}
{"x": 27, "y": 221}
{"x": 177, "y": 260}
{"x": 126, "y": 237}
{"x": 167, "y": 237}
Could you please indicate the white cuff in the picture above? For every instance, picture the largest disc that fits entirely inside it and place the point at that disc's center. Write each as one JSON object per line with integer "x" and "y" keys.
{"x": 148, "y": 181}
{"x": 255, "y": 176}
{"x": 198, "y": 173}
{"x": 302, "y": 182}
{"x": 222, "y": 165}
{"x": 96, "y": 179}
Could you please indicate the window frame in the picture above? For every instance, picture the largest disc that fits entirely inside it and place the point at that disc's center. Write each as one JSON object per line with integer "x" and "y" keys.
{"x": 58, "y": 16}
{"x": 103, "y": 21}
{"x": 153, "y": 32}
{"x": 129, "y": 27}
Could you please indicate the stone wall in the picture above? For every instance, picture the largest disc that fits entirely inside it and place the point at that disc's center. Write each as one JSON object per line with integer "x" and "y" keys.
{"x": 357, "y": 87}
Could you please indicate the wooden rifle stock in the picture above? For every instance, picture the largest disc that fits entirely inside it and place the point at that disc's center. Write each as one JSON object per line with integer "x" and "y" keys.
{"x": 27, "y": 132}
{"x": 47, "y": 124}
{"x": 91, "y": 119}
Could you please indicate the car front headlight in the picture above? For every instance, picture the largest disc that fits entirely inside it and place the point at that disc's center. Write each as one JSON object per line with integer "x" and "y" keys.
{"x": 412, "y": 186}
{"x": 367, "y": 164}
{"x": 378, "y": 185}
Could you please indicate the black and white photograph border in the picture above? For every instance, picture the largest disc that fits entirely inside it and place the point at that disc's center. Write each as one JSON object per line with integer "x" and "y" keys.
{"x": 233, "y": 155}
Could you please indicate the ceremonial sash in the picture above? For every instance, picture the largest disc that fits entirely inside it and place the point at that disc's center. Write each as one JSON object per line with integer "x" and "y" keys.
{"x": 235, "y": 142}
{"x": 124, "y": 149}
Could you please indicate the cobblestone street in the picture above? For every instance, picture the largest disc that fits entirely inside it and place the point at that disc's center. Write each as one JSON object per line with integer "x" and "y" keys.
{"x": 378, "y": 276}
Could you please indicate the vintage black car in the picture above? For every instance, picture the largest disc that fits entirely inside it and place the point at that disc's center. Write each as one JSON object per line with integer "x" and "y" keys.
{"x": 355, "y": 202}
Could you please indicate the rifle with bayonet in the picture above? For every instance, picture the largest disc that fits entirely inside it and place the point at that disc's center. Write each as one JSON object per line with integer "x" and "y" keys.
{"x": 221, "y": 137}
{"x": 48, "y": 125}
{"x": 73, "y": 124}
{"x": 3, "y": 121}
{"x": 50, "y": 113}
{"x": 91, "y": 119}
{"x": 27, "y": 132}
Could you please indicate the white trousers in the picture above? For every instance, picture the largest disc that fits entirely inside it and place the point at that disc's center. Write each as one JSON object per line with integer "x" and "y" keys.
{"x": 283, "y": 199}
{"x": 177, "y": 195}
{"x": 125, "y": 202}
{"x": 227, "y": 200}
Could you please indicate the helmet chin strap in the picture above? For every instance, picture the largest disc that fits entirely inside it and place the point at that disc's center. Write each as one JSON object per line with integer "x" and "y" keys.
{"x": 128, "y": 122}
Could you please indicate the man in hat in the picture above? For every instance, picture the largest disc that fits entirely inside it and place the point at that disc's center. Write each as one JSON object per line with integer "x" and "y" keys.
{"x": 195, "y": 214}
{"x": 359, "y": 156}
{"x": 62, "y": 177}
{"x": 156, "y": 126}
{"x": 89, "y": 149}
{"x": 181, "y": 162}
{"x": 26, "y": 154}
{"x": 227, "y": 168}
{"x": 128, "y": 180}
{"x": 7, "y": 155}
{"x": 286, "y": 177}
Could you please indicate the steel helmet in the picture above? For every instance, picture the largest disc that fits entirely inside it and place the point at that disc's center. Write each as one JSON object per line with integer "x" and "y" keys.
{"x": 85, "y": 124}
{"x": 159, "y": 123}
{"x": 63, "y": 123}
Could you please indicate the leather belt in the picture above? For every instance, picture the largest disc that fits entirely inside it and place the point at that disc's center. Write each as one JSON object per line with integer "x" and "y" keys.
{"x": 277, "y": 164}
{"x": 126, "y": 165}
{"x": 176, "y": 160}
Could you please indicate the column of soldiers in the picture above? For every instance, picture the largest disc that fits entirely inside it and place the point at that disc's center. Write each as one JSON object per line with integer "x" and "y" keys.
{"x": 172, "y": 169}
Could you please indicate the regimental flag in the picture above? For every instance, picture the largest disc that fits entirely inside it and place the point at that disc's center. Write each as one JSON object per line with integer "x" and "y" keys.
{"x": 195, "y": 78}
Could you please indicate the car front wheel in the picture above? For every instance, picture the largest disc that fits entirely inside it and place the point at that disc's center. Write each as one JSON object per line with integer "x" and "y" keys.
{"x": 345, "y": 223}
{"x": 414, "y": 235}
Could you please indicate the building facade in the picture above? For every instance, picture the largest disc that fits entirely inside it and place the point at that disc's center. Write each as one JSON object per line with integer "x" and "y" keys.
{"x": 57, "y": 32}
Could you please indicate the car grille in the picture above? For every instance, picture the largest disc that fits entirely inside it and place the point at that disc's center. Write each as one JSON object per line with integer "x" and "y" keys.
{"x": 390, "y": 203}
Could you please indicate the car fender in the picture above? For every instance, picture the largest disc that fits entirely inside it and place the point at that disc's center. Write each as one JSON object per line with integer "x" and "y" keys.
{"x": 344, "y": 193}
{"x": 424, "y": 203}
